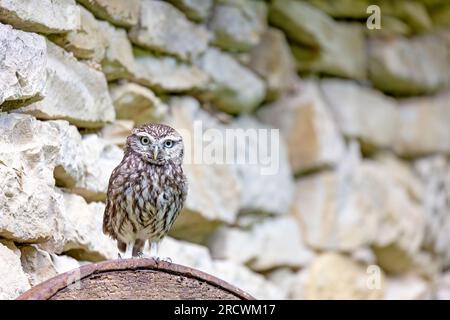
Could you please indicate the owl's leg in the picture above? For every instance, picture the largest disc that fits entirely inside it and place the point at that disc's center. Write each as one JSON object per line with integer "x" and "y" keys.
{"x": 122, "y": 246}
{"x": 154, "y": 246}
{"x": 137, "y": 248}
{"x": 129, "y": 251}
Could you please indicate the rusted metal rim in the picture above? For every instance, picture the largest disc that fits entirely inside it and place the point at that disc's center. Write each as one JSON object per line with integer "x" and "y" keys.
{"x": 51, "y": 287}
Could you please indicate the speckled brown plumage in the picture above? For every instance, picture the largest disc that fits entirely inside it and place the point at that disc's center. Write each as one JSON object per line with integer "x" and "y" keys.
{"x": 147, "y": 190}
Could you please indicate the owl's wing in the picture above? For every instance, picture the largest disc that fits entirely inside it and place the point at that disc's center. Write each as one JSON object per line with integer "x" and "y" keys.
{"x": 111, "y": 209}
{"x": 107, "y": 225}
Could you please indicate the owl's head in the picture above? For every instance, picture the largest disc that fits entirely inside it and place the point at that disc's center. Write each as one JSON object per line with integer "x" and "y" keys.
{"x": 156, "y": 143}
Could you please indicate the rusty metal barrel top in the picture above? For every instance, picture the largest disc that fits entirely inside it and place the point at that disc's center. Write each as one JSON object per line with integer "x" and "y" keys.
{"x": 134, "y": 279}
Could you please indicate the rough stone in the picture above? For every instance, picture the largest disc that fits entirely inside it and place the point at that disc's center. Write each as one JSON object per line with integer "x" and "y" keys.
{"x": 167, "y": 74}
{"x": 362, "y": 112}
{"x": 69, "y": 166}
{"x": 117, "y": 132}
{"x": 433, "y": 3}
{"x": 22, "y": 67}
{"x": 441, "y": 16}
{"x": 251, "y": 282}
{"x": 37, "y": 264}
{"x": 332, "y": 58}
{"x": 297, "y": 285}
{"x": 364, "y": 255}
{"x": 311, "y": 134}
{"x": 276, "y": 242}
{"x": 413, "y": 13}
{"x": 214, "y": 190}
{"x": 13, "y": 280}
{"x": 407, "y": 287}
{"x": 238, "y": 26}
{"x": 118, "y": 61}
{"x": 82, "y": 227}
{"x": 63, "y": 263}
{"x": 272, "y": 60}
{"x": 34, "y": 15}
{"x": 164, "y": 29}
{"x": 74, "y": 92}
{"x": 234, "y": 88}
{"x": 100, "y": 158}
{"x": 443, "y": 35}
{"x": 397, "y": 261}
{"x": 87, "y": 42}
{"x": 412, "y": 66}
{"x": 186, "y": 253}
{"x": 243, "y": 57}
{"x": 335, "y": 276}
{"x": 390, "y": 26}
{"x": 83, "y": 164}
{"x": 442, "y": 287}
{"x": 332, "y": 207}
{"x": 344, "y": 8}
{"x": 434, "y": 173}
{"x": 321, "y": 44}
{"x": 86, "y": 168}
{"x": 137, "y": 103}
{"x": 197, "y": 10}
{"x": 289, "y": 281}
{"x": 403, "y": 173}
{"x": 118, "y": 12}
{"x": 293, "y": 16}
{"x": 29, "y": 207}
{"x": 11, "y": 246}
{"x": 423, "y": 125}
{"x": 266, "y": 176}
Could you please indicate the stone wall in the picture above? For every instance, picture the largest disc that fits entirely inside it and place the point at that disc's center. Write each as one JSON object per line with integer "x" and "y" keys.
{"x": 360, "y": 205}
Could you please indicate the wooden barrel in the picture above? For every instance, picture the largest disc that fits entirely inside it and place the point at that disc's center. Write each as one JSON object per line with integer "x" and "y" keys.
{"x": 134, "y": 279}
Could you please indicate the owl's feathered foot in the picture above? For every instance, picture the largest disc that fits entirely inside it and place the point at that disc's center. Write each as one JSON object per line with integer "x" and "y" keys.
{"x": 158, "y": 259}
{"x": 154, "y": 258}
{"x": 125, "y": 250}
{"x": 167, "y": 259}
{"x": 143, "y": 255}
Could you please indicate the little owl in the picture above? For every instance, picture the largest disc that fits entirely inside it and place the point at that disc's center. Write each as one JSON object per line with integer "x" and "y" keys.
{"x": 146, "y": 190}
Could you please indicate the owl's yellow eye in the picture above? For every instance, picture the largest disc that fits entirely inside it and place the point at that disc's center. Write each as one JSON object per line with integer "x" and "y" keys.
{"x": 168, "y": 143}
{"x": 145, "y": 140}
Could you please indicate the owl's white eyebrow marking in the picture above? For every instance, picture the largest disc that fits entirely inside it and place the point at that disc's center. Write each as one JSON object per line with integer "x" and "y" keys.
{"x": 145, "y": 134}
{"x": 174, "y": 138}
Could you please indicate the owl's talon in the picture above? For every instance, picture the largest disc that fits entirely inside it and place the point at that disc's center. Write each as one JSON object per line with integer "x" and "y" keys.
{"x": 156, "y": 259}
{"x": 167, "y": 259}
{"x": 119, "y": 256}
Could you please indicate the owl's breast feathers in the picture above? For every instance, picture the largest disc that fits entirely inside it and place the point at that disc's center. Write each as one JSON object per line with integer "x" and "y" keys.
{"x": 143, "y": 198}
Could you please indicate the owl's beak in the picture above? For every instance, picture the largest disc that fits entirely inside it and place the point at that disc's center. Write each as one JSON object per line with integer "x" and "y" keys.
{"x": 155, "y": 153}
